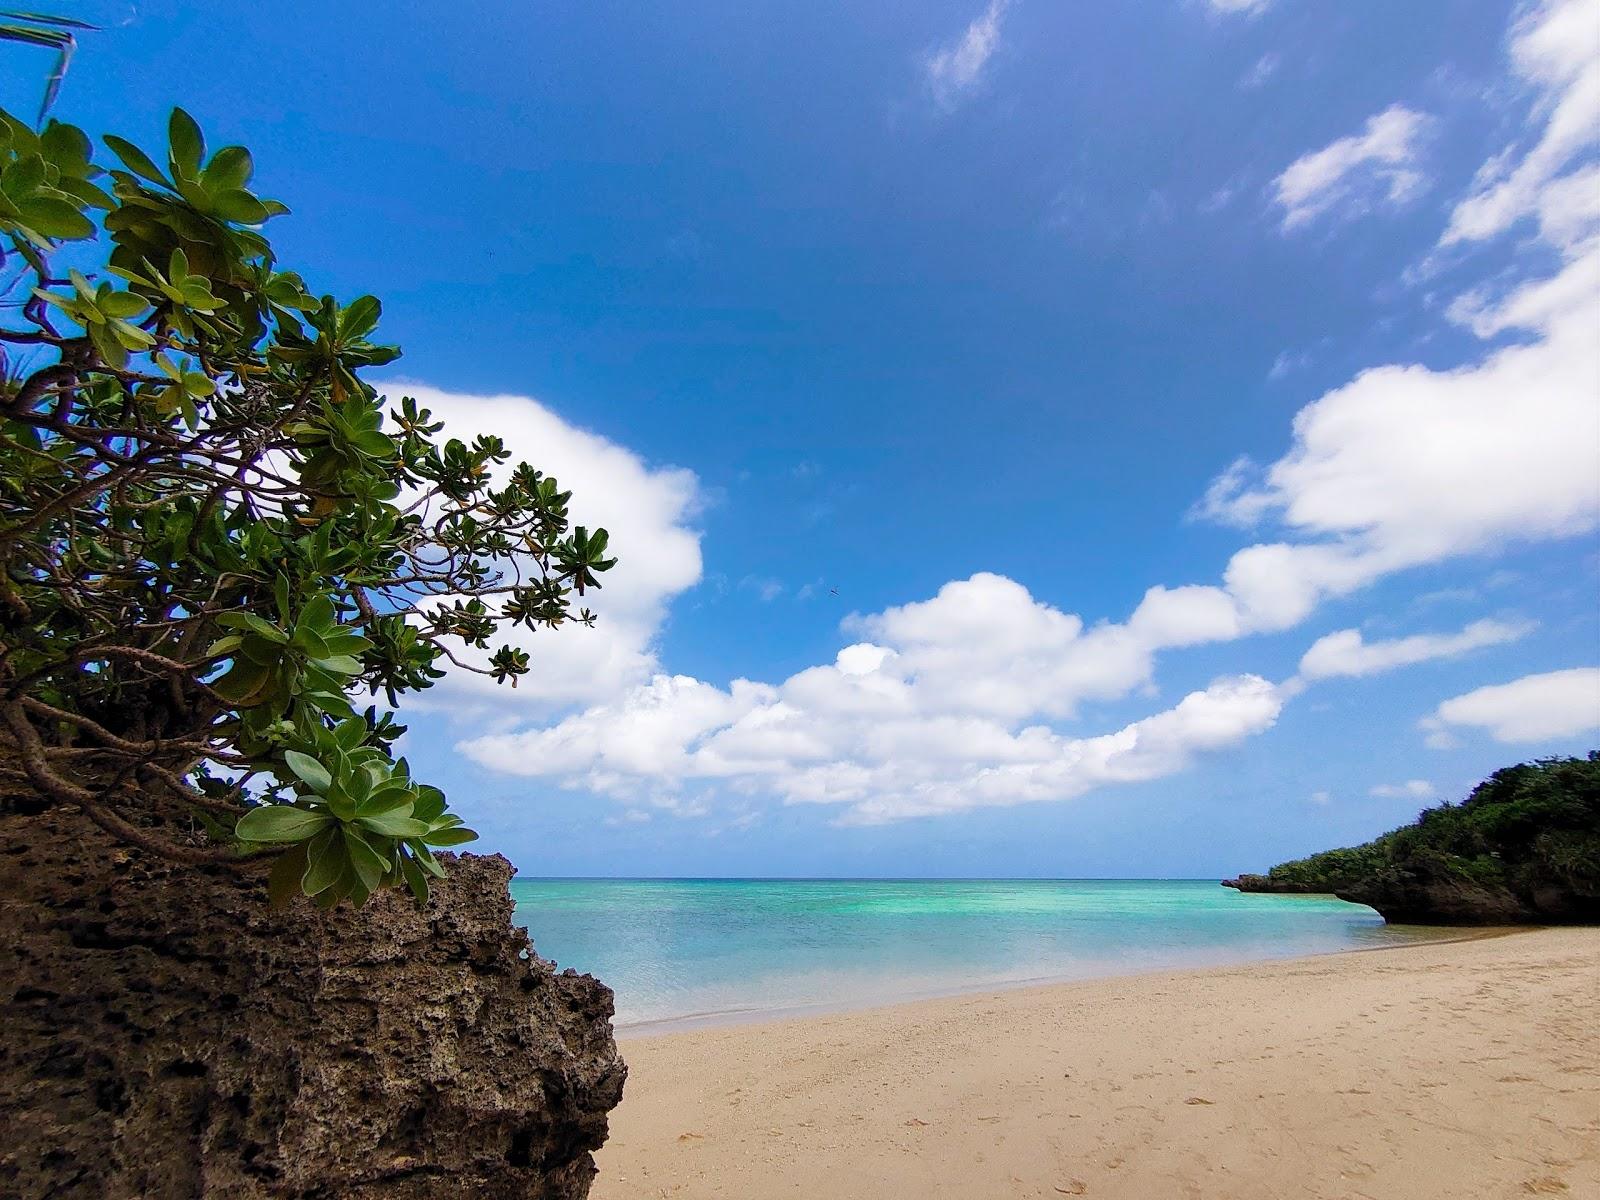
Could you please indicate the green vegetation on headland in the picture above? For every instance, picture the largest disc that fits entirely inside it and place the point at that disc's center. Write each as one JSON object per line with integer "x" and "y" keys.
{"x": 1524, "y": 847}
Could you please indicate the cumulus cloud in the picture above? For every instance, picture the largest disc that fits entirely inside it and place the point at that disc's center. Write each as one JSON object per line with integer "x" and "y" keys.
{"x": 648, "y": 511}
{"x": 1406, "y": 465}
{"x": 1535, "y": 708}
{"x": 1377, "y": 165}
{"x": 1347, "y": 653}
{"x": 946, "y": 708}
{"x": 955, "y": 70}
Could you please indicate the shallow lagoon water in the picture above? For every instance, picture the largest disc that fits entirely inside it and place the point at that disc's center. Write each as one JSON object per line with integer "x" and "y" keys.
{"x": 685, "y": 951}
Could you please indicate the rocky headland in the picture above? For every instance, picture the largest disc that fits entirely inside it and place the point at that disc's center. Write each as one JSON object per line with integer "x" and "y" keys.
{"x": 1522, "y": 849}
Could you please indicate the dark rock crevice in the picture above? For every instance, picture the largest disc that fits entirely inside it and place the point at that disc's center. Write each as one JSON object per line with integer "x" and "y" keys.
{"x": 168, "y": 1036}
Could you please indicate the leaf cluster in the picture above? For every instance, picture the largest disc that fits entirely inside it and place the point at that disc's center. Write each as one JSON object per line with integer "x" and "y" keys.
{"x": 216, "y": 536}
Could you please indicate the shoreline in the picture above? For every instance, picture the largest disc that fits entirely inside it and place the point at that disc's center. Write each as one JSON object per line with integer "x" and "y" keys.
{"x": 1469, "y": 1065}
{"x": 747, "y": 1017}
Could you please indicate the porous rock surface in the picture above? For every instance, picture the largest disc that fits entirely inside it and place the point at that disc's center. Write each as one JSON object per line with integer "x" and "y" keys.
{"x": 1412, "y": 897}
{"x": 164, "y": 1034}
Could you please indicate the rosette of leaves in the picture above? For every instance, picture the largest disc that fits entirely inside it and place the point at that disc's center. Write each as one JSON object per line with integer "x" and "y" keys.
{"x": 218, "y": 542}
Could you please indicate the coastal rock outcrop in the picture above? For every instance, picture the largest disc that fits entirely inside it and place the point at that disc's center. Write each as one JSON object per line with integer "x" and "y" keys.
{"x": 1420, "y": 898}
{"x": 1261, "y": 883}
{"x": 168, "y": 1035}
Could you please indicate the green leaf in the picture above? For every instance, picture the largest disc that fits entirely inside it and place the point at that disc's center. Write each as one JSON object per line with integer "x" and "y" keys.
{"x": 374, "y": 443}
{"x": 86, "y": 193}
{"x": 112, "y": 352}
{"x": 425, "y": 857}
{"x": 135, "y": 159}
{"x": 309, "y": 770}
{"x": 283, "y": 884}
{"x": 416, "y": 880}
{"x": 65, "y": 144}
{"x": 350, "y": 734}
{"x": 257, "y": 626}
{"x": 450, "y": 837}
{"x": 326, "y": 860}
{"x": 360, "y": 317}
{"x": 340, "y": 664}
{"x": 244, "y": 682}
{"x": 239, "y": 206}
{"x": 370, "y": 866}
{"x": 54, "y": 217}
{"x": 347, "y": 643}
{"x": 394, "y": 824}
{"x": 391, "y": 796}
{"x": 230, "y": 169}
{"x": 280, "y": 823}
{"x": 123, "y": 304}
{"x": 131, "y": 336}
{"x": 318, "y": 612}
{"x": 430, "y": 803}
{"x": 188, "y": 144}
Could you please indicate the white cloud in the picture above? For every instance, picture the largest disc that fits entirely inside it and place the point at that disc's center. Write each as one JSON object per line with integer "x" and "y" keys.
{"x": 1406, "y": 465}
{"x": 1555, "y": 49}
{"x": 1412, "y": 789}
{"x": 1264, "y": 69}
{"x": 1535, "y": 708}
{"x": 767, "y": 589}
{"x": 943, "y": 710}
{"x": 1346, "y": 653}
{"x": 1248, "y": 7}
{"x": 1378, "y": 164}
{"x": 1286, "y": 363}
{"x": 952, "y": 72}
{"x": 647, "y": 511}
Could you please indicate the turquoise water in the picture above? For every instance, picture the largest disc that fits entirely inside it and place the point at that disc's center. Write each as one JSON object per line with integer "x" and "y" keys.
{"x": 717, "y": 949}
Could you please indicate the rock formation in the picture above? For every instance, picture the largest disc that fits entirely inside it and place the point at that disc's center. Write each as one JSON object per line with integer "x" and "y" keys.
{"x": 168, "y": 1035}
{"x": 1261, "y": 883}
{"x": 1436, "y": 898}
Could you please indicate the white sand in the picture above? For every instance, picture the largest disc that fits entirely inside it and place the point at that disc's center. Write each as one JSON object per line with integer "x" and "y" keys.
{"x": 1466, "y": 1070}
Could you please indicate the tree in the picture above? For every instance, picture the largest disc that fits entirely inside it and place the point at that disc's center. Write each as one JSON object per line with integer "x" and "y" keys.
{"x": 216, "y": 540}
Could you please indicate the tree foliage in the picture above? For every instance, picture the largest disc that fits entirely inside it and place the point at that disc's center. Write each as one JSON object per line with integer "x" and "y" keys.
{"x": 1534, "y": 825}
{"x": 217, "y": 538}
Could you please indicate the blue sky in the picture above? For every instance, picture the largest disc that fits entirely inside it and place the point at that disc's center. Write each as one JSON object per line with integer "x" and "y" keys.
{"x": 946, "y": 332}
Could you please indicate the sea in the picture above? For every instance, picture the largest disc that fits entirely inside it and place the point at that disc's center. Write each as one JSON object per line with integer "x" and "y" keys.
{"x": 685, "y": 952}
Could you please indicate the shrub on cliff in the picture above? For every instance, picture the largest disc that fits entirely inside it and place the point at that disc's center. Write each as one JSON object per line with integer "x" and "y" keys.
{"x": 216, "y": 538}
{"x": 1527, "y": 829}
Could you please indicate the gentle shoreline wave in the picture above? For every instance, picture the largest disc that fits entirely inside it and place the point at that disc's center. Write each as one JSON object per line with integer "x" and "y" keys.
{"x": 686, "y": 954}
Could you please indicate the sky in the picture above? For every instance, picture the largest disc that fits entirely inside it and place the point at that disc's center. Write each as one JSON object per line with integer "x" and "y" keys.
{"x": 1154, "y": 439}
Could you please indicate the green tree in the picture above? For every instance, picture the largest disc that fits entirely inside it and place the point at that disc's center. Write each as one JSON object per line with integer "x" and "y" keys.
{"x": 216, "y": 541}
{"x": 1530, "y": 827}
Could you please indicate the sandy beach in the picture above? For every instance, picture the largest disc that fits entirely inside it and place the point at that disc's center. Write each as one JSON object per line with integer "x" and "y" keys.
{"x": 1465, "y": 1069}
